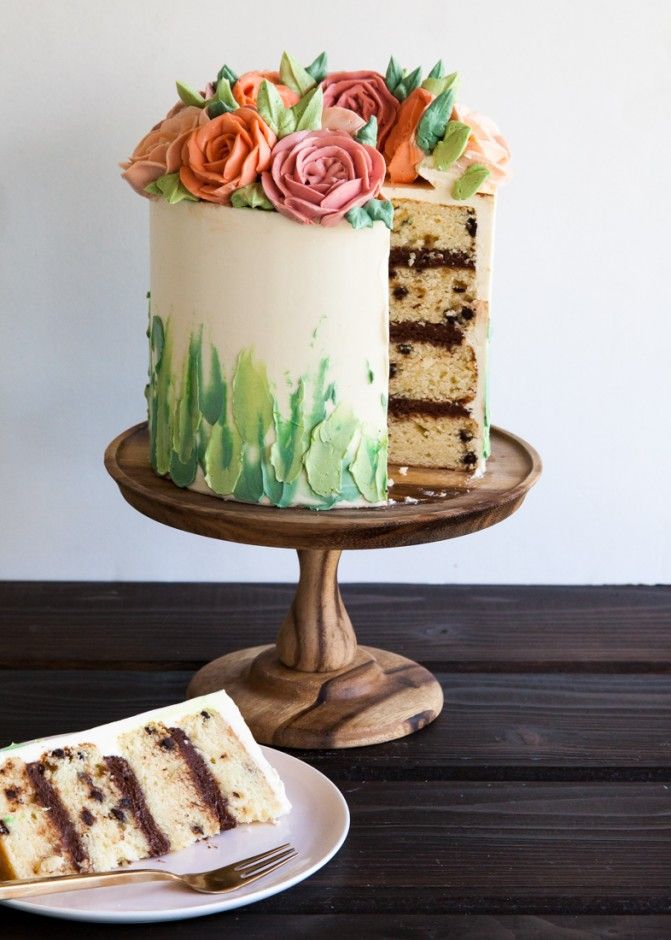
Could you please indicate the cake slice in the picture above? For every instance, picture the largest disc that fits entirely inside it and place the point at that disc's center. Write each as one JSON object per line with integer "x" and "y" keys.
{"x": 134, "y": 789}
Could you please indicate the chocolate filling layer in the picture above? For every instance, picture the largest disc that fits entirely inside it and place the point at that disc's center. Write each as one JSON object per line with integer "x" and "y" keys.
{"x": 49, "y": 799}
{"x": 122, "y": 774}
{"x": 409, "y": 406}
{"x": 440, "y": 334}
{"x": 420, "y": 258}
{"x": 203, "y": 779}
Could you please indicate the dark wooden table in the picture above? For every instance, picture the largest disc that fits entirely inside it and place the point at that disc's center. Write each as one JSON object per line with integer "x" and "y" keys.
{"x": 537, "y": 806}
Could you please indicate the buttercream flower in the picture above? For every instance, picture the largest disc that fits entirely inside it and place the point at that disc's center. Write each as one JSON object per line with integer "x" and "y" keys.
{"x": 401, "y": 150}
{"x": 226, "y": 153}
{"x": 318, "y": 176}
{"x": 246, "y": 89}
{"x": 366, "y": 94}
{"x": 160, "y": 151}
{"x": 342, "y": 119}
{"x": 486, "y": 145}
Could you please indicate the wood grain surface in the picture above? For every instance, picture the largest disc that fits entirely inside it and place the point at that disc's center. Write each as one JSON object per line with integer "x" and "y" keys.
{"x": 537, "y": 805}
{"x": 444, "y": 504}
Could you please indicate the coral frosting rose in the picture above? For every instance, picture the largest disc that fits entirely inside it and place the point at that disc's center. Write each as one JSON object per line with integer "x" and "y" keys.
{"x": 402, "y": 153}
{"x": 246, "y": 89}
{"x": 366, "y": 94}
{"x": 160, "y": 151}
{"x": 226, "y": 153}
{"x": 486, "y": 145}
{"x": 318, "y": 176}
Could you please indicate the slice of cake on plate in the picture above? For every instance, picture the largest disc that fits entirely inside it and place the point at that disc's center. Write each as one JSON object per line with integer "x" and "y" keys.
{"x": 134, "y": 789}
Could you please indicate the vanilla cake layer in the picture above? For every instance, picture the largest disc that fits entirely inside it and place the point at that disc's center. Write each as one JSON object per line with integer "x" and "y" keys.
{"x": 439, "y": 280}
{"x": 140, "y": 787}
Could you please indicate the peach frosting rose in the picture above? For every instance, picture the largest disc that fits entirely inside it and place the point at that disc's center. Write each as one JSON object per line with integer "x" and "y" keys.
{"x": 160, "y": 151}
{"x": 402, "y": 153}
{"x": 366, "y": 94}
{"x": 246, "y": 89}
{"x": 486, "y": 145}
{"x": 226, "y": 153}
{"x": 318, "y": 176}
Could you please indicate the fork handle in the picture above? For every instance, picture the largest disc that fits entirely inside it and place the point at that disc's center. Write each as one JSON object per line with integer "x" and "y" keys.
{"x": 55, "y": 884}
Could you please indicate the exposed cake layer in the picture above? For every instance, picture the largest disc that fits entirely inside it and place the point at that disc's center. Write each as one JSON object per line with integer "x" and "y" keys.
{"x": 450, "y": 228}
{"x": 426, "y": 371}
{"x": 432, "y": 295}
{"x": 137, "y": 788}
{"x": 420, "y": 438}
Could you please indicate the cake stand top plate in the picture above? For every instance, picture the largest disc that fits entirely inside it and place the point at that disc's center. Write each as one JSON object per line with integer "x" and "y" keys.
{"x": 428, "y": 505}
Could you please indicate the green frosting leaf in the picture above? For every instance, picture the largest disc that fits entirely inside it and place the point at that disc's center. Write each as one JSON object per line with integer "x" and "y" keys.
{"x": 408, "y": 83}
{"x": 368, "y": 133}
{"x": 318, "y": 68}
{"x": 269, "y": 104}
{"x": 434, "y": 121}
{"x": 380, "y": 210}
{"x": 187, "y": 417}
{"x": 226, "y": 72}
{"x": 437, "y": 71}
{"x": 287, "y": 123}
{"x": 189, "y": 95}
{"x": 212, "y": 394}
{"x": 359, "y": 218}
{"x": 393, "y": 75}
{"x": 470, "y": 182}
{"x": 170, "y": 187}
{"x": 249, "y": 487}
{"x": 308, "y": 111}
{"x": 294, "y": 76}
{"x": 438, "y": 85}
{"x": 224, "y": 94}
{"x": 291, "y": 438}
{"x": 365, "y": 469}
{"x": 453, "y": 144}
{"x": 251, "y": 196}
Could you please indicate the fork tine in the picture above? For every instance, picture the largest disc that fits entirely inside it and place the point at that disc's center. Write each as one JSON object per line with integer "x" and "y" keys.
{"x": 243, "y": 863}
{"x": 246, "y": 879}
{"x": 253, "y": 869}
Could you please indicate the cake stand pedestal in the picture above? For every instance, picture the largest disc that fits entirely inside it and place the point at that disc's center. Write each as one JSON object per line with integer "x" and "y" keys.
{"x": 316, "y": 688}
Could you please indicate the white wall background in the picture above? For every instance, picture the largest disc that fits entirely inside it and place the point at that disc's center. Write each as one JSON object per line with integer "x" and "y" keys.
{"x": 581, "y": 313}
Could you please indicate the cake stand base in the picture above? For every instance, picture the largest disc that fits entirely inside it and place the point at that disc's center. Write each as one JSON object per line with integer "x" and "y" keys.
{"x": 377, "y": 697}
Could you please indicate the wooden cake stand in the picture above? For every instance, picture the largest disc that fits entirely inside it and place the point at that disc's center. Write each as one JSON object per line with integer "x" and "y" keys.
{"x": 316, "y": 688}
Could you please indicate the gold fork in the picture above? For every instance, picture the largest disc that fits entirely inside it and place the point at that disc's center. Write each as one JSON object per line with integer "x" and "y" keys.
{"x": 218, "y": 881}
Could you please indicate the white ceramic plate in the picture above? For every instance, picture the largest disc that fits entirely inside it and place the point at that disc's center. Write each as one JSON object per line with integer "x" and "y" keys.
{"x": 316, "y": 826}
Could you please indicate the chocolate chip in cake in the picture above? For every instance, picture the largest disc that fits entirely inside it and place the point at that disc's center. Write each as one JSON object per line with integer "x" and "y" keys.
{"x": 149, "y": 730}
{"x": 471, "y": 225}
{"x": 465, "y": 436}
{"x": 81, "y": 755}
{"x": 4, "y": 831}
{"x": 459, "y": 287}
{"x": 126, "y": 802}
{"x": 236, "y": 794}
{"x": 88, "y": 817}
{"x": 96, "y": 794}
{"x": 392, "y": 273}
{"x": 400, "y": 292}
{"x": 11, "y": 793}
{"x": 392, "y": 370}
{"x": 467, "y": 313}
{"x": 404, "y": 348}
{"x": 167, "y": 744}
{"x": 118, "y": 814}
{"x": 197, "y": 830}
{"x": 206, "y": 715}
{"x": 58, "y": 753}
{"x": 469, "y": 459}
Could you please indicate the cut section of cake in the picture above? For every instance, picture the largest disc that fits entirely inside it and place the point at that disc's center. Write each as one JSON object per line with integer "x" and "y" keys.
{"x": 439, "y": 277}
{"x": 134, "y": 789}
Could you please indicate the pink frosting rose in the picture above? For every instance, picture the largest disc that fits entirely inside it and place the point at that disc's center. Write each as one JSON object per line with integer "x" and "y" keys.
{"x": 486, "y": 145}
{"x": 342, "y": 119}
{"x": 366, "y": 94}
{"x": 318, "y": 176}
{"x": 160, "y": 151}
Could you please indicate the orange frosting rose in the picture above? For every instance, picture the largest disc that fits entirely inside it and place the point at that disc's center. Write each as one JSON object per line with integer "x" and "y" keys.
{"x": 160, "y": 151}
{"x": 402, "y": 153}
{"x": 226, "y": 153}
{"x": 247, "y": 87}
